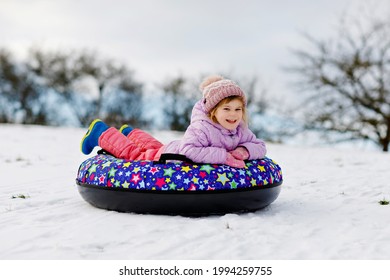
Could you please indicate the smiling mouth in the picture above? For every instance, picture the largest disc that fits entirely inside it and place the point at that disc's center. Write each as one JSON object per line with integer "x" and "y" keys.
{"x": 231, "y": 121}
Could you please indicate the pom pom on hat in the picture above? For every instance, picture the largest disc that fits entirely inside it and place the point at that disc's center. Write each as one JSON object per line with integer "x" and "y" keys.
{"x": 215, "y": 88}
{"x": 209, "y": 80}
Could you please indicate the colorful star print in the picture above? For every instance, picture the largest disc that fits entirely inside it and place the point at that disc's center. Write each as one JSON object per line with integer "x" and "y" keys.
{"x": 160, "y": 182}
{"x": 92, "y": 168}
{"x": 112, "y": 172}
{"x": 168, "y": 172}
{"x": 186, "y": 169}
{"x": 222, "y": 178}
{"x": 207, "y": 167}
{"x": 135, "y": 178}
{"x": 107, "y": 171}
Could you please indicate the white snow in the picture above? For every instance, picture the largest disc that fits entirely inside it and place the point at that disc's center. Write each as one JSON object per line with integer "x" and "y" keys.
{"x": 328, "y": 208}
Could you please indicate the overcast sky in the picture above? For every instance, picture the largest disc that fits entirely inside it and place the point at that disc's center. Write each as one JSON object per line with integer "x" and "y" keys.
{"x": 162, "y": 38}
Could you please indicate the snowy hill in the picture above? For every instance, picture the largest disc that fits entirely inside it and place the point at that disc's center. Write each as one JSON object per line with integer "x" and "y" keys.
{"x": 328, "y": 208}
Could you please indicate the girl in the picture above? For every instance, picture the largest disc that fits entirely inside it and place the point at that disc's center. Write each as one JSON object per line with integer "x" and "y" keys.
{"x": 218, "y": 132}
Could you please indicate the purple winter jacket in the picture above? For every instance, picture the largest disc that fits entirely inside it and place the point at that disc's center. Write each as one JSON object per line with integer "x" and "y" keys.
{"x": 207, "y": 142}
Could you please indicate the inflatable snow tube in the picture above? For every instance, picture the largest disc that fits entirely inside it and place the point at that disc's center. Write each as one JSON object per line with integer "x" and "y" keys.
{"x": 174, "y": 187}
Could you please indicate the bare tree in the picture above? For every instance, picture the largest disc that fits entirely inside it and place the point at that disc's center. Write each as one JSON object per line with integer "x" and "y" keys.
{"x": 124, "y": 106}
{"x": 119, "y": 96}
{"x": 348, "y": 78}
{"x": 58, "y": 72}
{"x": 20, "y": 95}
{"x": 179, "y": 100}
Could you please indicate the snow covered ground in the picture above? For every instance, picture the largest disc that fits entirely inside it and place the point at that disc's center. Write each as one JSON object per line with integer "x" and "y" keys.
{"x": 328, "y": 208}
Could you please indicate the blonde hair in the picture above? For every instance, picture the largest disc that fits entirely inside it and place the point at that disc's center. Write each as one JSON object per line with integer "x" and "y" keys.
{"x": 228, "y": 99}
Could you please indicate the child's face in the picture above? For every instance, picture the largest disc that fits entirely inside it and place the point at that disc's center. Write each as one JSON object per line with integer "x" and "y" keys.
{"x": 229, "y": 115}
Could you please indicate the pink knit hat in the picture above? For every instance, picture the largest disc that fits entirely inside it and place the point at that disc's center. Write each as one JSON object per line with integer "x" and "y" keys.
{"x": 216, "y": 88}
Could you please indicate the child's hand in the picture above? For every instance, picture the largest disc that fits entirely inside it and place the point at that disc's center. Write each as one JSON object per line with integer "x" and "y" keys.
{"x": 240, "y": 153}
{"x": 232, "y": 161}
